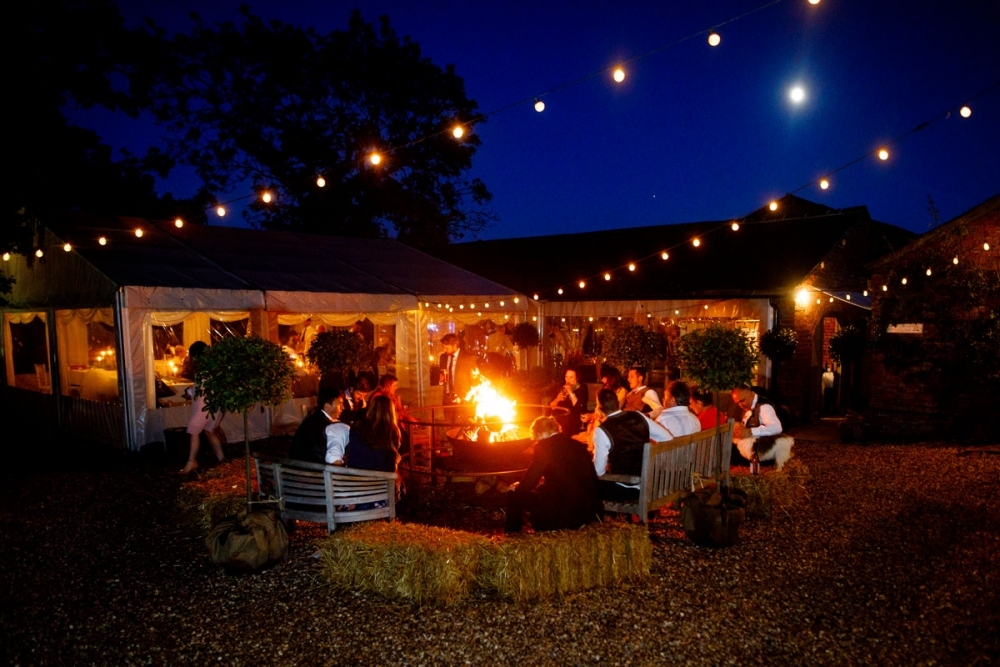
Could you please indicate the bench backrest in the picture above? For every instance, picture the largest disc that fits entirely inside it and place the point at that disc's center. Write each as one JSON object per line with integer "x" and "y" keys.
{"x": 326, "y": 493}
{"x": 667, "y": 468}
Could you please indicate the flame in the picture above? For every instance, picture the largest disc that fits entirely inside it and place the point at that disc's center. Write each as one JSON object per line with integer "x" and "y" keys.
{"x": 492, "y": 409}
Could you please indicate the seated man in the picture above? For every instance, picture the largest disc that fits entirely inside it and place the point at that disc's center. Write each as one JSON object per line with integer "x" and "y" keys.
{"x": 641, "y": 397}
{"x": 758, "y": 430}
{"x": 678, "y": 417}
{"x": 322, "y": 437}
{"x": 568, "y": 496}
{"x": 618, "y": 444}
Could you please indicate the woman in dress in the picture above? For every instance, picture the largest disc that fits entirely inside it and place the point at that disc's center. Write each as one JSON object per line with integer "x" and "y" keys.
{"x": 201, "y": 420}
{"x": 574, "y": 397}
{"x": 374, "y": 440}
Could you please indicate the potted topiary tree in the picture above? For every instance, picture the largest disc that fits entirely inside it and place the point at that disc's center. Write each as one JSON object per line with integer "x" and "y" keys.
{"x": 719, "y": 359}
{"x": 338, "y": 353}
{"x": 847, "y": 346}
{"x": 632, "y": 345}
{"x": 234, "y": 375}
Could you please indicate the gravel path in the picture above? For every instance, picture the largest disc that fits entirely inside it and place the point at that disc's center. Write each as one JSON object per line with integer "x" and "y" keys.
{"x": 894, "y": 560}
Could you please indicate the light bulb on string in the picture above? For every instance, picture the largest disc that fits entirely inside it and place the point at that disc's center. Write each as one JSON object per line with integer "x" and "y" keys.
{"x": 139, "y": 232}
{"x": 965, "y": 111}
{"x": 773, "y": 206}
{"x": 955, "y": 260}
{"x": 535, "y": 297}
{"x": 928, "y": 271}
{"x": 696, "y": 242}
{"x": 883, "y": 154}
{"x": 714, "y": 39}
{"x": 67, "y": 247}
{"x": 220, "y": 211}
{"x": 539, "y": 105}
{"x": 664, "y": 255}
{"x": 607, "y": 276}
{"x": 178, "y": 223}
{"x": 582, "y": 284}
{"x": 885, "y": 288}
{"x": 458, "y": 132}
{"x": 865, "y": 293}
{"x": 824, "y": 184}
{"x": 631, "y": 267}
{"x": 39, "y": 253}
{"x": 848, "y": 297}
{"x": 320, "y": 182}
{"x": 797, "y": 94}
{"x": 375, "y": 158}
{"x": 813, "y": 2}
{"x": 6, "y": 257}
{"x": 986, "y": 246}
{"x": 517, "y": 299}
{"x": 266, "y": 197}
{"x": 619, "y": 74}
{"x": 102, "y": 241}
{"x": 735, "y": 226}
{"x": 903, "y": 281}
{"x": 560, "y": 291}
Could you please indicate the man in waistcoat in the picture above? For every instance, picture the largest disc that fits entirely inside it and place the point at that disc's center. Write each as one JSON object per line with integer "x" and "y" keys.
{"x": 322, "y": 437}
{"x": 641, "y": 398}
{"x": 758, "y": 430}
{"x": 457, "y": 366}
{"x": 618, "y": 444}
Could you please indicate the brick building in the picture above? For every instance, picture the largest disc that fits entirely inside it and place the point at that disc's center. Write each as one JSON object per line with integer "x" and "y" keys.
{"x": 935, "y": 366}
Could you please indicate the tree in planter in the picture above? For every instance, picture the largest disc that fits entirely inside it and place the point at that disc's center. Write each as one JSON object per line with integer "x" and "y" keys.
{"x": 338, "y": 353}
{"x": 718, "y": 359}
{"x": 847, "y": 347}
{"x": 778, "y": 345}
{"x": 632, "y": 345}
{"x": 526, "y": 335}
{"x": 236, "y": 374}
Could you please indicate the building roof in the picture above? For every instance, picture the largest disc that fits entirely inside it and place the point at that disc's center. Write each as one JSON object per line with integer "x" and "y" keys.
{"x": 208, "y": 257}
{"x": 771, "y": 253}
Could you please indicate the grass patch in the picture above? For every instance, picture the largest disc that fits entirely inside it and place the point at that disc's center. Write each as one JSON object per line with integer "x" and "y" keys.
{"x": 773, "y": 488}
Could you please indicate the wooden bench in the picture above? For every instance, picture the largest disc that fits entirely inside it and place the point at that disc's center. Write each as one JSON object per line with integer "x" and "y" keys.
{"x": 667, "y": 468}
{"x": 325, "y": 493}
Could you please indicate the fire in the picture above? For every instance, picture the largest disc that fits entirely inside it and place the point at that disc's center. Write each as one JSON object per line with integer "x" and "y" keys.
{"x": 492, "y": 409}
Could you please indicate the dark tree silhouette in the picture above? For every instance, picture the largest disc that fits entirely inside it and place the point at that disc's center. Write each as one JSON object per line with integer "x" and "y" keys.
{"x": 277, "y": 106}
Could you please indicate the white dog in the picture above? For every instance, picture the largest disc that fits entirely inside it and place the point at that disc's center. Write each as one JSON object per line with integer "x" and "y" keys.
{"x": 779, "y": 453}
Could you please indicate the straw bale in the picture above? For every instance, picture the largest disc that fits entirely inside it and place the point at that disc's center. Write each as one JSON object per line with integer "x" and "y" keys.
{"x": 409, "y": 561}
{"x": 205, "y": 511}
{"x": 782, "y": 488}
{"x": 528, "y": 567}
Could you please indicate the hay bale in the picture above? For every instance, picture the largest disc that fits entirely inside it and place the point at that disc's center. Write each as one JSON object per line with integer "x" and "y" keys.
{"x": 783, "y": 488}
{"x": 528, "y": 567}
{"x": 206, "y": 511}
{"x": 413, "y": 562}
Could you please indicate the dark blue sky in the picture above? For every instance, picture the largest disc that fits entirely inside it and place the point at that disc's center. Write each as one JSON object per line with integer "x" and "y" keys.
{"x": 695, "y": 132}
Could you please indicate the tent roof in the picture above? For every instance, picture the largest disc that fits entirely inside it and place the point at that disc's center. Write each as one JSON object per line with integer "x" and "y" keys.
{"x": 207, "y": 257}
{"x": 771, "y": 253}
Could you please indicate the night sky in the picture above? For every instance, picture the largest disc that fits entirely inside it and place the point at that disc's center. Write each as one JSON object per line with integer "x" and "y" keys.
{"x": 694, "y": 132}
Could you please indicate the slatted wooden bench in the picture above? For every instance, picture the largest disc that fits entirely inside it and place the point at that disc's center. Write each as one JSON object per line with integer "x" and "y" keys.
{"x": 325, "y": 493}
{"x": 667, "y": 468}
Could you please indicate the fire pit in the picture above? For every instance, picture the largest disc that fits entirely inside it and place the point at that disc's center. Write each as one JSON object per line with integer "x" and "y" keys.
{"x": 488, "y": 435}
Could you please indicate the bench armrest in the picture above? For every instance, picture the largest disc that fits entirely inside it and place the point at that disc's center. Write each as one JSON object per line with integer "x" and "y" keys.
{"x": 624, "y": 479}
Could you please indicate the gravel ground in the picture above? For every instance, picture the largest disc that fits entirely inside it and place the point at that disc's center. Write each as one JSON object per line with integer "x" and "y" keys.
{"x": 892, "y": 561}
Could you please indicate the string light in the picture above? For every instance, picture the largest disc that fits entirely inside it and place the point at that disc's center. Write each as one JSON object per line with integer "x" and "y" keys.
{"x": 819, "y": 301}
{"x": 539, "y": 105}
{"x": 607, "y": 276}
{"x": 928, "y": 272}
{"x": 320, "y": 182}
{"x": 797, "y": 95}
{"x": 735, "y": 226}
{"x": 903, "y": 281}
{"x": 773, "y": 206}
{"x": 535, "y": 297}
{"x": 824, "y": 184}
{"x": 619, "y": 74}
{"x": 220, "y": 211}
{"x": 965, "y": 112}
{"x": 883, "y": 154}
{"x": 67, "y": 247}
{"x": 102, "y": 241}
{"x": 848, "y": 297}
{"x": 138, "y": 232}
{"x": 986, "y": 246}
{"x": 955, "y": 261}
{"x": 631, "y": 266}
{"x": 517, "y": 299}
{"x": 813, "y": 2}
{"x": 714, "y": 39}
{"x": 582, "y": 284}
{"x": 178, "y": 223}
{"x": 39, "y": 253}
{"x": 487, "y": 304}
{"x": 560, "y": 290}
{"x": 885, "y": 288}
{"x": 706, "y": 306}
{"x": 458, "y": 132}
{"x": 266, "y": 197}
{"x": 664, "y": 255}
{"x": 6, "y": 257}
{"x": 375, "y": 158}
{"x": 865, "y": 293}
{"x": 696, "y": 242}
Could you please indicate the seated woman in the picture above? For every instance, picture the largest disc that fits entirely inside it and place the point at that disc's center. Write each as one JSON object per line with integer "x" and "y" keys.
{"x": 373, "y": 443}
{"x": 574, "y": 397}
{"x": 701, "y": 405}
{"x": 387, "y": 386}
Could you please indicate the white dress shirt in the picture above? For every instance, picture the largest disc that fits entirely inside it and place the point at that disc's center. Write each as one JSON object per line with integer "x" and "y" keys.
{"x": 679, "y": 420}
{"x": 602, "y": 443}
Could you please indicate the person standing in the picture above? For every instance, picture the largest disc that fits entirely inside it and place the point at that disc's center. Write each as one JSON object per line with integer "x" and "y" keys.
{"x": 568, "y": 496}
{"x": 201, "y": 421}
{"x": 457, "y": 368}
